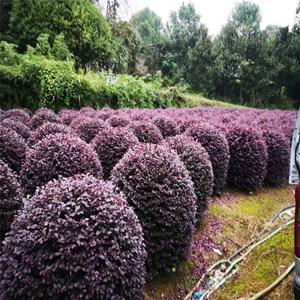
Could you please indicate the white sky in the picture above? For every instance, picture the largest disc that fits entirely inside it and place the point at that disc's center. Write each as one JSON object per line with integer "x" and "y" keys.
{"x": 214, "y": 13}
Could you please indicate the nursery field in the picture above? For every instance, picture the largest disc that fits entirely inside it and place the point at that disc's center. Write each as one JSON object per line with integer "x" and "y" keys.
{"x": 138, "y": 203}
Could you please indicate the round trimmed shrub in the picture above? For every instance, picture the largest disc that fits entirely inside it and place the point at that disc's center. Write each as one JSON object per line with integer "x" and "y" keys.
{"x": 17, "y": 126}
{"x": 87, "y": 128}
{"x": 279, "y": 159}
{"x": 58, "y": 155}
{"x": 87, "y": 111}
{"x": 75, "y": 239}
{"x": 18, "y": 114}
{"x": 248, "y": 158}
{"x": 118, "y": 121}
{"x": 166, "y": 126}
{"x": 10, "y": 198}
{"x": 45, "y": 130}
{"x": 111, "y": 144}
{"x": 104, "y": 113}
{"x": 12, "y": 148}
{"x": 146, "y": 132}
{"x": 216, "y": 146}
{"x": 157, "y": 185}
{"x": 68, "y": 115}
{"x": 197, "y": 162}
{"x": 43, "y": 116}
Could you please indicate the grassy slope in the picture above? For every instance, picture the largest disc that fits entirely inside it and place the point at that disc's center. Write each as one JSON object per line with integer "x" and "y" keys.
{"x": 196, "y": 100}
{"x": 241, "y": 216}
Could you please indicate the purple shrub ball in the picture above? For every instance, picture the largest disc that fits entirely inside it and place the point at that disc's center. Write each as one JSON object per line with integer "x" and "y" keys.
{"x": 157, "y": 185}
{"x": 17, "y": 114}
{"x": 118, "y": 121}
{"x": 146, "y": 132}
{"x": 217, "y": 148}
{"x": 75, "y": 239}
{"x": 197, "y": 162}
{"x": 58, "y": 155}
{"x": 111, "y": 144}
{"x": 10, "y": 198}
{"x": 279, "y": 159}
{"x": 248, "y": 158}
{"x": 43, "y": 116}
{"x": 87, "y": 128}
{"x": 45, "y": 130}
{"x": 167, "y": 126}
{"x": 18, "y": 126}
{"x": 12, "y": 148}
{"x": 67, "y": 115}
{"x": 87, "y": 112}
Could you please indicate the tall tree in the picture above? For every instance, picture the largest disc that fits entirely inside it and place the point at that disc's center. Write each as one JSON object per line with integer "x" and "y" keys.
{"x": 150, "y": 29}
{"x": 86, "y": 32}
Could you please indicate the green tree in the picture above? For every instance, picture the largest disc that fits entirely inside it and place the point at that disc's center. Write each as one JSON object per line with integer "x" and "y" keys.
{"x": 86, "y": 32}
{"x": 151, "y": 31}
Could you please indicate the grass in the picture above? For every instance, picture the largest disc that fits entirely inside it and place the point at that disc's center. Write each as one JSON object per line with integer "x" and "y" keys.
{"x": 196, "y": 100}
{"x": 242, "y": 216}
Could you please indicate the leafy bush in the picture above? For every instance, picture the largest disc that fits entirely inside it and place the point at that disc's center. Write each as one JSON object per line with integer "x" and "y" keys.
{"x": 118, "y": 121}
{"x": 158, "y": 187}
{"x": 43, "y": 116}
{"x": 17, "y": 126}
{"x": 167, "y": 126}
{"x": 197, "y": 162}
{"x": 10, "y": 197}
{"x": 93, "y": 248}
{"x": 58, "y": 155}
{"x": 45, "y": 130}
{"x": 68, "y": 115}
{"x": 87, "y": 128}
{"x": 111, "y": 144}
{"x": 248, "y": 158}
{"x": 17, "y": 114}
{"x": 216, "y": 146}
{"x": 279, "y": 159}
{"x": 12, "y": 148}
{"x": 146, "y": 132}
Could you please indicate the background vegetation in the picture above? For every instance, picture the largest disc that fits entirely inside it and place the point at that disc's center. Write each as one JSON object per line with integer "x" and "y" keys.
{"x": 66, "y": 54}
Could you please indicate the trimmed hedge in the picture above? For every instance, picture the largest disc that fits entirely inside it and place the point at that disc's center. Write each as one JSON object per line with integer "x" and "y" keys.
{"x": 248, "y": 158}
{"x": 12, "y": 148}
{"x": 43, "y": 116}
{"x": 111, "y": 144}
{"x": 58, "y": 155}
{"x": 216, "y": 146}
{"x": 146, "y": 132}
{"x": 279, "y": 159}
{"x": 197, "y": 162}
{"x": 10, "y": 198}
{"x": 158, "y": 187}
{"x": 167, "y": 126}
{"x": 75, "y": 239}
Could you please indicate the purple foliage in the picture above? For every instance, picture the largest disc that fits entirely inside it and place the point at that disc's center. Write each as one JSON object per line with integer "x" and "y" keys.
{"x": 216, "y": 146}
{"x": 146, "y": 132}
{"x": 248, "y": 158}
{"x": 67, "y": 115}
{"x": 197, "y": 162}
{"x": 45, "y": 130}
{"x": 118, "y": 121}
{"x": 18, "y": 126}
{"x": 279, "y": 159}
{"x": 12, "y": 148}
{"x": 87, "y": 128}
{"x": 158, "y": 187}
{"x": 167, "y": 126}
{"x": 43, "y": 116}
{"x": 10, "y": 197}
{"x": 111, "y": 144}
{"x": 75, "y": 239}
{"x": 58, "y": 155}
{"x": 17, "y": 114}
